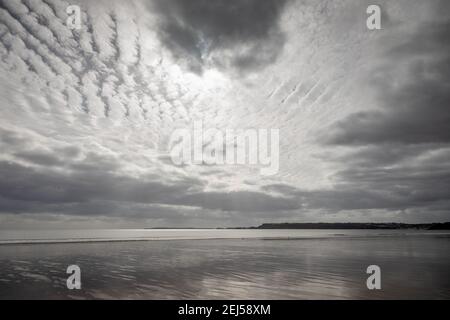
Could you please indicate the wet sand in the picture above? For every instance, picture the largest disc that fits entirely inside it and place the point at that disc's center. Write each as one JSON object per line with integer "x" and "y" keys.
{"x": 333, "y": 267}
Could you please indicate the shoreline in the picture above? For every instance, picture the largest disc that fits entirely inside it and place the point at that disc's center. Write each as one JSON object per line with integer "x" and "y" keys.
{"x": 424, "y": 233}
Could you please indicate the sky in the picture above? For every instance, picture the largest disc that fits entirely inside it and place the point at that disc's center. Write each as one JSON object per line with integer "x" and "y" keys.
{"x": 86, "y": 114}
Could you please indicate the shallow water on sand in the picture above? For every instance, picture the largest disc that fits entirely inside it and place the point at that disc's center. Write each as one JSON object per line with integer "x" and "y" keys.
{"x": 293, "y": 264}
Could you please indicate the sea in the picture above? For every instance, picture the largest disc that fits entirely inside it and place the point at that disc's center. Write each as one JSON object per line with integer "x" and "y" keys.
{"x": 224, "y": 264}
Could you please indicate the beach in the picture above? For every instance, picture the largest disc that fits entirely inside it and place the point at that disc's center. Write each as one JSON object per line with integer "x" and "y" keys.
{"x": 226, "y": 264}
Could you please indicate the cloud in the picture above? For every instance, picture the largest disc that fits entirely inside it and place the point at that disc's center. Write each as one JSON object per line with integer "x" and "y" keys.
{"x": 413, "y": 90}
{"x": 94, "y": 180}
{"x": 242, "y": 201}
{"x": 40, "y": 158}
{"x": 397, "y": 154}
{"x": 223, "y": 33}
{"x": 86, "y": 114}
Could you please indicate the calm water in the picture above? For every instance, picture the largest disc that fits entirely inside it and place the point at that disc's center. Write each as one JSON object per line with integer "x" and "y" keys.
{"x": 230, "y": 264}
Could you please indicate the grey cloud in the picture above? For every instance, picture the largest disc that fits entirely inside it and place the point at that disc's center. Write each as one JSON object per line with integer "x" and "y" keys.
{"x": 417, "y": 111}
{"x": 388, "y": 155}
{"x": 69, "y": 152}
{"x": 40, "y": 158}
{"x": 360, "y": 187}
{"x": 388, "y": 177}
{"x": 30, "y": 184}
{"x": 94, "y": 162}
{"x": 199, "y": 29}
{"x": 10, "y": 138}
{"x": 27, "y": 189}
{"x": 243, "y": 201}
{"x": 430, "y": 38}
{"x": 280, "y": 188}
{"x": 403, "y": 178}
{"x": 388, "y": 190}
{"x": 398, "y": 161}
{"x": 399, "y": 157}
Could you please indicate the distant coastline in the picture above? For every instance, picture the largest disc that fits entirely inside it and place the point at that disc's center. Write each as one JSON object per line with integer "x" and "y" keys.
{"x": 351, "y": 225}
{"x": 331, "y": 225}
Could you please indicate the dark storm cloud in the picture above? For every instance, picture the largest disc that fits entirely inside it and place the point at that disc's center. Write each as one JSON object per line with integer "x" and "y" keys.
{"x": 30, "y": 184}
{"x": 195, "y": 29}
{"x": 389, "y": 189}
{"x": 84, "y": 191}
{"x": 361, "y": 188}
{"x": 400, "y": 157}
{"x": 419, "y": 110}
{"x": 70, "y": 180}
